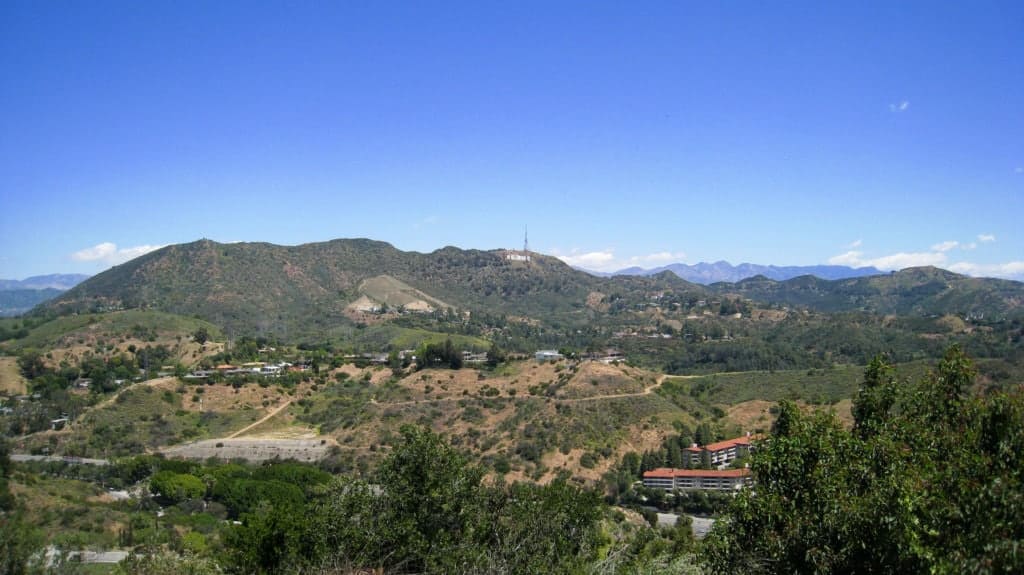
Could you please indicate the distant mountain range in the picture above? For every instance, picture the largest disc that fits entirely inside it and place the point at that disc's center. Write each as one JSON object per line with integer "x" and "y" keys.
{"x": 721, "y": 271}
{"x": 19, "y": 296}
{"x": 53, "y": 281}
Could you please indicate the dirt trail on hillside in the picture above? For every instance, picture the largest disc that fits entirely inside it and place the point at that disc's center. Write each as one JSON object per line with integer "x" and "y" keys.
{"x": 151, "y": 382}
{"x": 261, "y": 421}
{"x": 647, "y": 391}
{"x": 268, "y": 442}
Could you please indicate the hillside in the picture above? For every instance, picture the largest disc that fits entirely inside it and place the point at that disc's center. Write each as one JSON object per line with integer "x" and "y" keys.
{"x": 920, "y": 291}
{"x": 367, "y": 296}
{"x": 18, "y": 301}
{"x": 290, "y": 291}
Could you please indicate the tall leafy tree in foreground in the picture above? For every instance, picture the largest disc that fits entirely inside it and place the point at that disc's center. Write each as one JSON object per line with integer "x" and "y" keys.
{"x": 426, "y": 510}
{"x": 20, "y": 546}
{"x": 928, "y": 481}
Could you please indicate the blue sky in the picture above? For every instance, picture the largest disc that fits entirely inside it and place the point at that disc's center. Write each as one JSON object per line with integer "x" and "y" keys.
{"x": 791, "y": 133}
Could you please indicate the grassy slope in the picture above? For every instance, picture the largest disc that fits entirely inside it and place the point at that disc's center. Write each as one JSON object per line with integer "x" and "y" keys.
{"x": 81, "y": 512}
{"x": 11, "y": 381}
{"x": 63, "y": 330}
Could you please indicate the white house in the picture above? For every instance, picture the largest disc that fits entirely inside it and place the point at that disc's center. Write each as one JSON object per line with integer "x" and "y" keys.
{"x": 547, "y": 355}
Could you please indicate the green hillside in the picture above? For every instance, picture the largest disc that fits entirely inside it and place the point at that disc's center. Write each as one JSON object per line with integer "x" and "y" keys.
{"x": 141, "y": 324}
{"x": 294, "y": 291}
{"x": 914, "y": 291}
{"x": 18, "y": 301}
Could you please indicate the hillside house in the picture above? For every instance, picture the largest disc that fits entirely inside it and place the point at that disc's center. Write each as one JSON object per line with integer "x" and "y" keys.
{"x": 547, "y": 355}
{"x": 722, "y": 453}
{"x": 697, "y": 479}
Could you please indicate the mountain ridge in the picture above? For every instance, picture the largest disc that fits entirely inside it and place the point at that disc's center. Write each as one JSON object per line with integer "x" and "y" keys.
{"x": 312, "y": 289}
{"x": 308, "y": 287}
{"x": 20, "y": 296}
{"x": 50, "y": 281}
{"x": 705, "y": 273}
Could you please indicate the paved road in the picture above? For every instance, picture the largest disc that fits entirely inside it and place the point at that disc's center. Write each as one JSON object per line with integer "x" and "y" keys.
{"x": 252, "y": 449}
{"x": 88, "y": 556}
{"x": 700, "y": 525}
{"x": 58, "y": 458}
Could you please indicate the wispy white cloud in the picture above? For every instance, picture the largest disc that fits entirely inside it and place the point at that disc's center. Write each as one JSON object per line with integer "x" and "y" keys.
{"x": 938, "y": 256}
{"x": 606, "y": 260}
{"x": 658, "y": 258}
{"x": 945, "y": 246}
{"x": 902, "y": 106}
{"x": 986, "y": 238}
{"x": 427, "y": 221}
{"x": 897, "y": 261}
{"x": 596, "y": 261}
{"x": 1010, "y": 270}
{"x": 854, "y": 244}
{"x": 109, "y": 253}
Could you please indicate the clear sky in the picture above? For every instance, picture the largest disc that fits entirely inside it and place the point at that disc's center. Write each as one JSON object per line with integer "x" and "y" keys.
{"x": 622, "y": 133}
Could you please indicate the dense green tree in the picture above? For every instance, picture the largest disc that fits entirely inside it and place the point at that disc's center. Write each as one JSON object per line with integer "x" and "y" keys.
{"x": 427, "y": 510}
{"x": 929, "y": 481}
{"x": 875, "y": 399}
{"x": 20, "y": 545}
{"x": 176, "y": 487}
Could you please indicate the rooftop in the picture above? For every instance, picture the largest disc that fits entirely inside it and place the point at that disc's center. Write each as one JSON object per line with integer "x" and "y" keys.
{"x": 668, "y": 473}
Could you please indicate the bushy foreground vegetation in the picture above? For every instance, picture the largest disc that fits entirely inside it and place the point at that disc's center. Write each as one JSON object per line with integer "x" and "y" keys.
{"x": 426, "y": 509}
{"x": 929, "y": 480}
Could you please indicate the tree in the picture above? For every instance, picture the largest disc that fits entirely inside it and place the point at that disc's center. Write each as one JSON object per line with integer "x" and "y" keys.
{"x": 201, "y": 336}
{"x": 427, "y": 510}
{"x": 703, "y": 434}
{"x": 20, "y": 545}
{"x": 495, "y": 356}
{"x": 31, "y": 363}
{"x": 927, "y": 482}
{"x": 875, "y": 399}
{"x": 176, "y": 487}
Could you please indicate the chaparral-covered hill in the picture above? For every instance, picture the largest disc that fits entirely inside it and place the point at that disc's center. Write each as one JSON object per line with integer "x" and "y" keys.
{"x": 285, "y": 291}
{"x": 372, "y": 297}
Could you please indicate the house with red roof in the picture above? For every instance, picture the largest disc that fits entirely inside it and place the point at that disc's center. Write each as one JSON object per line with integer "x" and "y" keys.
{"x": 722, "y": 453}
{"x": 689, "y": 479}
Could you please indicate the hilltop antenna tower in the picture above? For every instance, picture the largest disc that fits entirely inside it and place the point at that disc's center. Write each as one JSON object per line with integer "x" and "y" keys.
{"x": 520, "y": 256}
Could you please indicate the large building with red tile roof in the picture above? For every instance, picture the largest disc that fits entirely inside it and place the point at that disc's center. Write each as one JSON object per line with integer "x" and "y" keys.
{"x": 722, "y": 453}
{"x": 683, "y": 479}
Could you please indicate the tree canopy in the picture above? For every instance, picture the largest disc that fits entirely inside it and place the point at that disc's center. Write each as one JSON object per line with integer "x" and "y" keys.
{"x": 927, "y": 481}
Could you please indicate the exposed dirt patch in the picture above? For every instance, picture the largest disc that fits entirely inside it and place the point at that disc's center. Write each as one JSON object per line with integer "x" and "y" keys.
{"x": 11, "y": 381}
{"x": 253, "y": 449}
{"x": 595, "y": 301}
{"x": 767, "y": 315}
{"x": 599, "y": 379}
{"x": 752, "y": 415}
{"x": 77, "y": 346}
{"x": 638, "y": 440}
{"x": 844, "y": 411}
